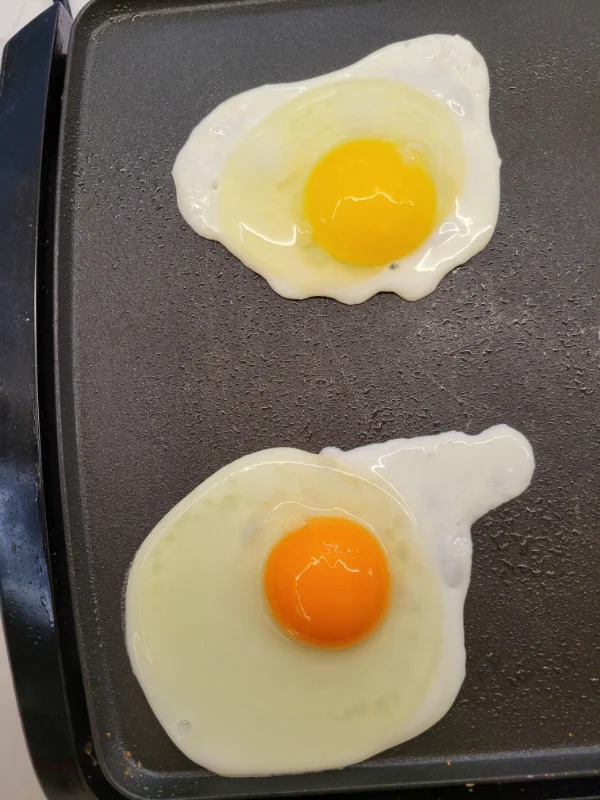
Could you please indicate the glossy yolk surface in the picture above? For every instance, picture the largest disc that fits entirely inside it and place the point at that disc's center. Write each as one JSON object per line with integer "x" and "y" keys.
{"x": 327, "y": 582}
{"x": 366, "y": 205}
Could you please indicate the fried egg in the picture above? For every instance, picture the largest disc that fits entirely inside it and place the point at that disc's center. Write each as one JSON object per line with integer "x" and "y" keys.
{"x": 301, "y": 612}
{"x": 381, "y": 177}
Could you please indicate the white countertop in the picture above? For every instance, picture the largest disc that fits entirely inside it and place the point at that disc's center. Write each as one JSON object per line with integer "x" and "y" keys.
{"x": 18, "y": 778}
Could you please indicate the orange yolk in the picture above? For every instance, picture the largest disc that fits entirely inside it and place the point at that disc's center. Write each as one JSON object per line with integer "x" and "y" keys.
{"x": 327, "y": 583}
{"x": 366, "y": 205}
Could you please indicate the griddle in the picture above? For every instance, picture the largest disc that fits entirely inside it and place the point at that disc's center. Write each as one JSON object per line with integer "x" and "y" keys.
{"x": 165, "y": 359}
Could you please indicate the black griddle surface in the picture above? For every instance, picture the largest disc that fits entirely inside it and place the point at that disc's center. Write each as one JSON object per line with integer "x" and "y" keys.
{"x": 173, "y": 360}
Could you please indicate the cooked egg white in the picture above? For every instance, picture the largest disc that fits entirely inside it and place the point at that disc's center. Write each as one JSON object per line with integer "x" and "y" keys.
{"x": 301, "y": 612}
{"x": 382, "y": 176}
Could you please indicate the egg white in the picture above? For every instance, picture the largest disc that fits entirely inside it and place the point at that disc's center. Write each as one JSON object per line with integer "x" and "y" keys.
{"x": 238, "y": 696}
{"x": 214, "y": 198}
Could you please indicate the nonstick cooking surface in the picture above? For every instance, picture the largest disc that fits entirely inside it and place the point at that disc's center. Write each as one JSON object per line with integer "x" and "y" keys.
{"x": 173, "y": 360}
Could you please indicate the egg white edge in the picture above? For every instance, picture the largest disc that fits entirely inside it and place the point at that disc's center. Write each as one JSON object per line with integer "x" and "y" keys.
{"x": 221, "y": 131}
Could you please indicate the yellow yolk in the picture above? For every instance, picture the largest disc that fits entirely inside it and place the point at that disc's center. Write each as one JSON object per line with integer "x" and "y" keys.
{"x": 327, "y": 583}
{"x": 366, "y": 205}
